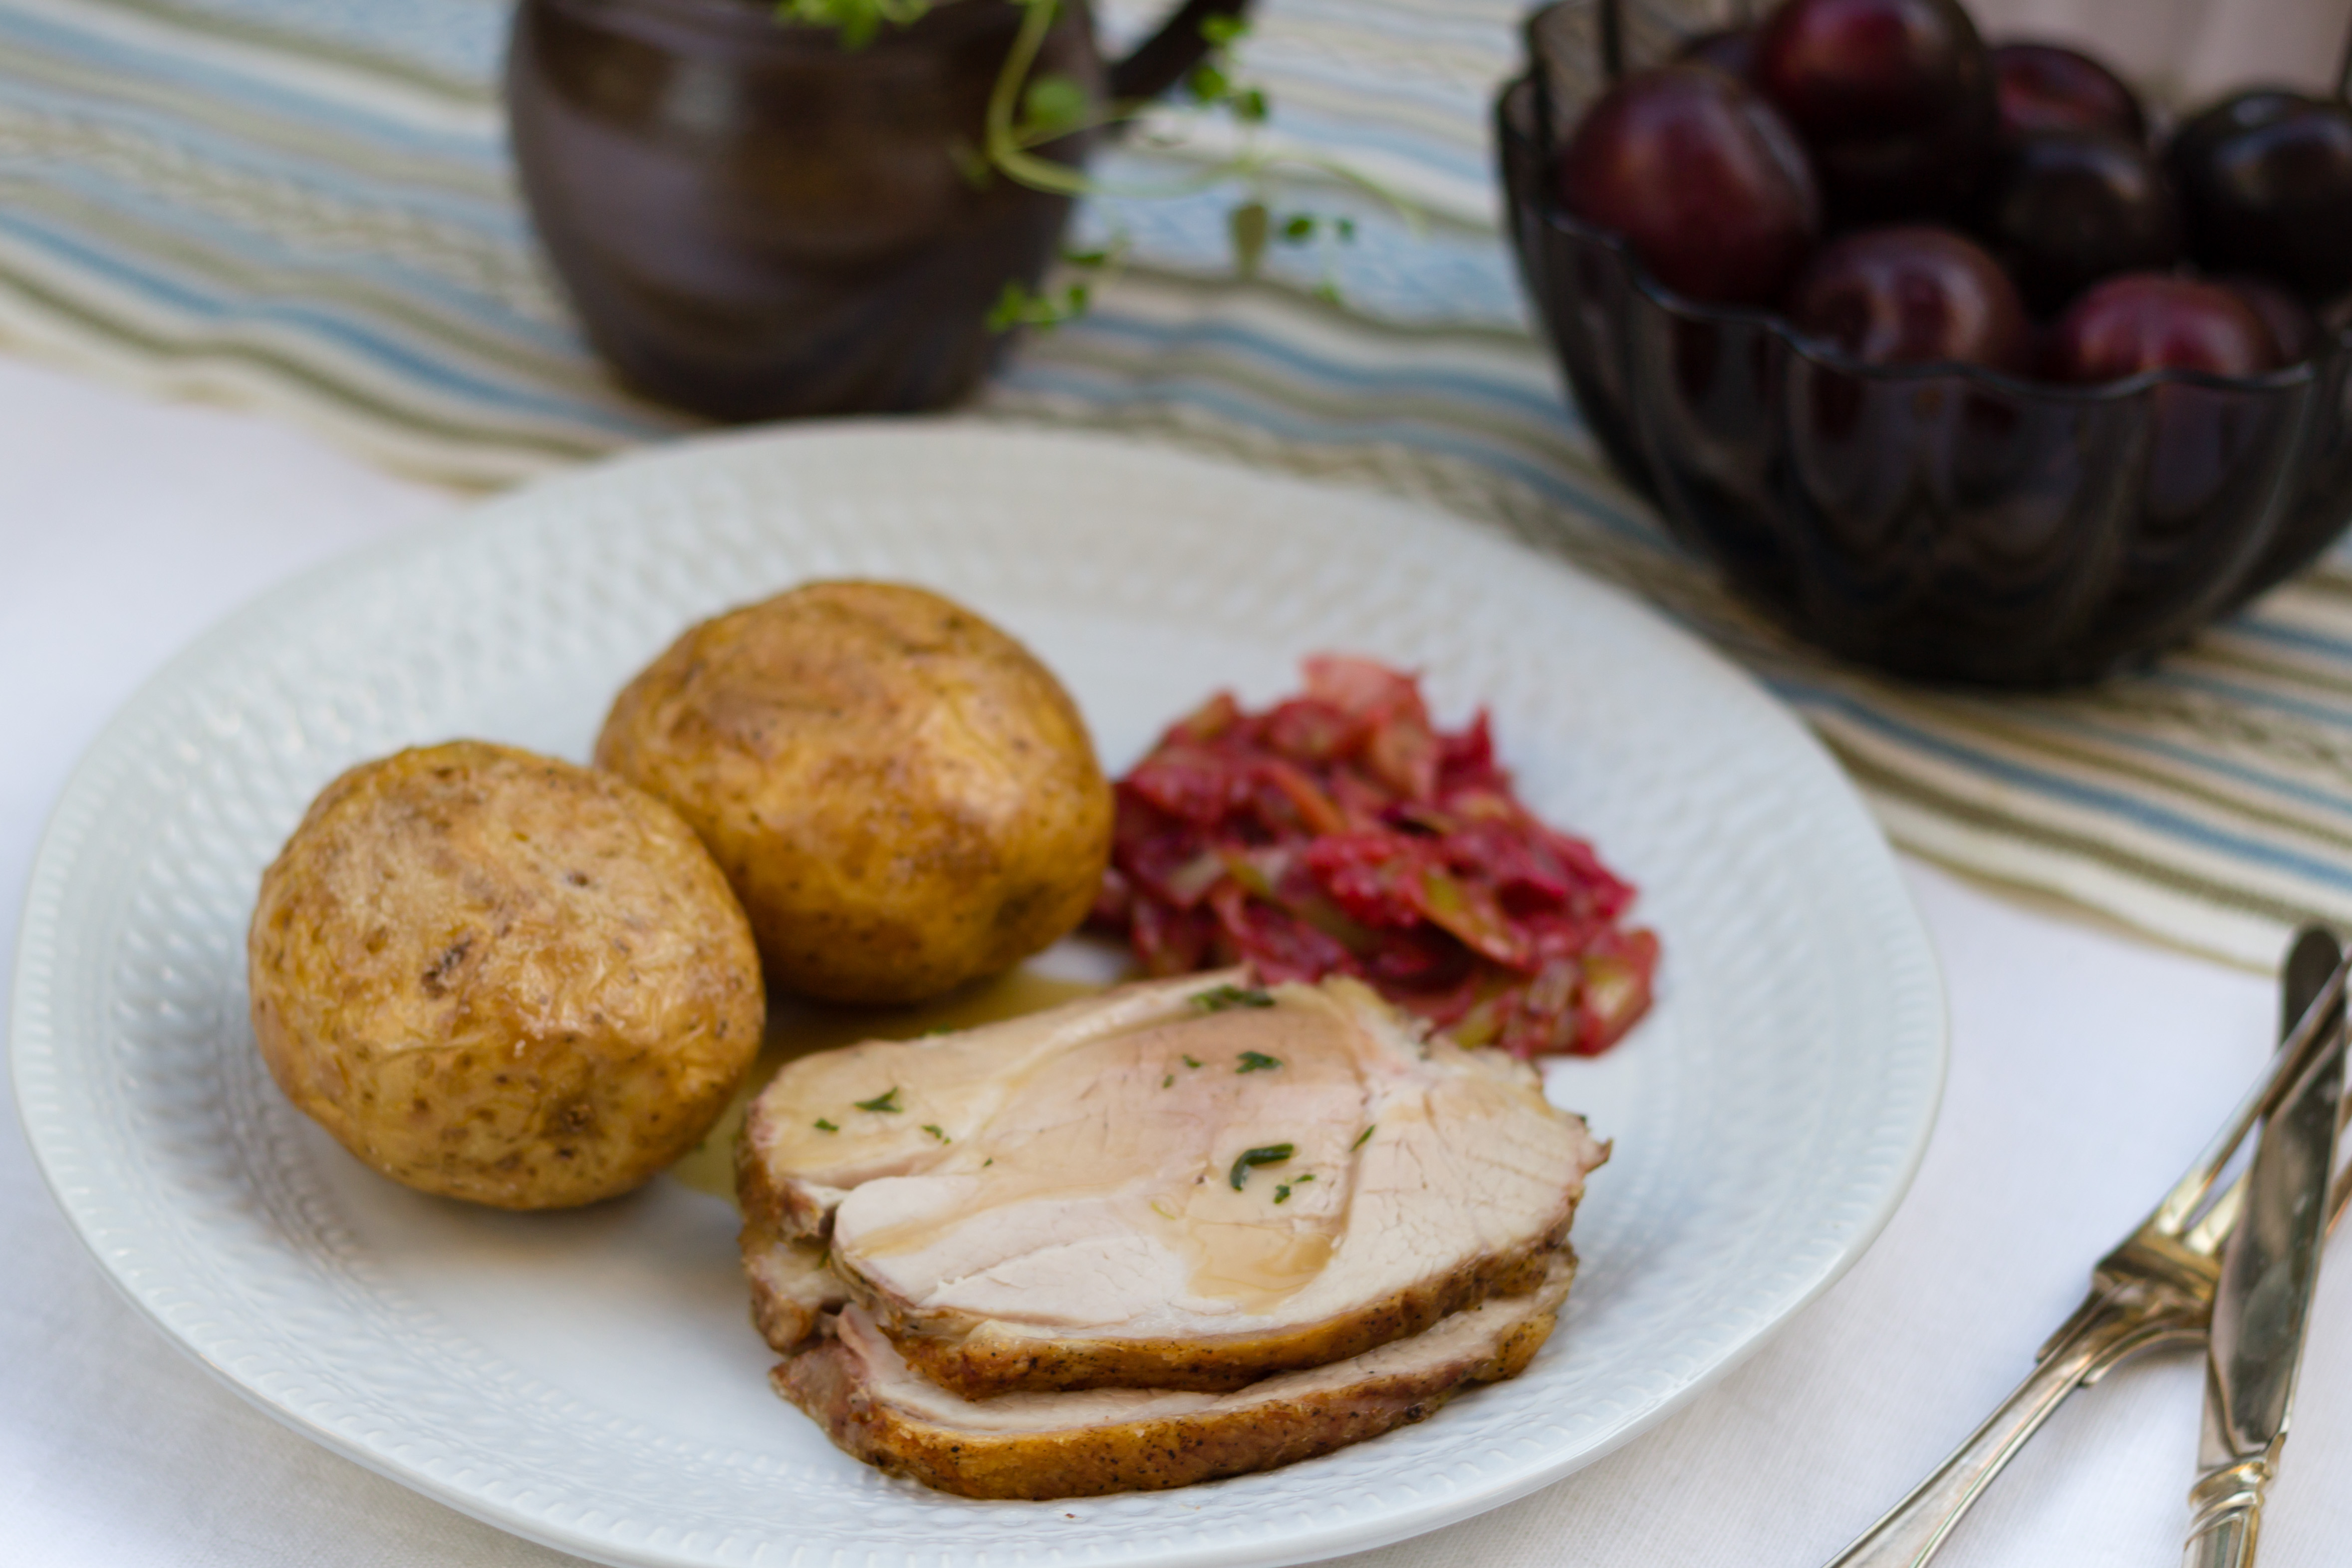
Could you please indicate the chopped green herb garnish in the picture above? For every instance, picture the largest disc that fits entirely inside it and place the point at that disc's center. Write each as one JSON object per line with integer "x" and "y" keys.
{"x": 1217, "y": 998}
{"x": 824, "y": 1126}
{"x": 887, "y": 1100}
{"x": 1362, "y": 1137}
{"x": 1282, "y": 1195}
{"x": 1191, "y": 1063}
{"x": 933, "y": 1128}
{"x": 1307, "y": 1177}
{"x": 1169, "y": 1082}
{"x": 1257, "y": 1061}
{"x": 984, "y": 1164}
{"x": 1272, "y": 1154}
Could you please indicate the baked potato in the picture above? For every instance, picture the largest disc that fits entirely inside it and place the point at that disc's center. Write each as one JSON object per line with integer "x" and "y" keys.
{"x": 902, "y": 798}
{"x": 498, "y": 976}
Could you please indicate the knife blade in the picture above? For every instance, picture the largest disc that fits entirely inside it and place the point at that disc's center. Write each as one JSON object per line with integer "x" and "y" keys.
{"x": 2310, "y": 960}
{"x": 2263, "y": 1303}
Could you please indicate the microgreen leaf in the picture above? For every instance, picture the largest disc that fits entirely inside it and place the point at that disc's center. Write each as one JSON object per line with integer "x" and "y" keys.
{"x": 857, "y": 21}
{"x": 1272, "y": 1154}
{"x": 1299, "y": 229}
{"x": 1224, "y": 32}
{"x": 1018, "y": 307}
{"x": 1257, "y": 1061}
{"x": 1217, "y": 998}
{"x": 1249, "y": 224}
{"x": 1168, "y": 1082}
{"x": 1363, "y": 1138}
{"x": 933, "y": 1128}
{"x": 1011, "y": 307}
{"x": 1053, "y": 102}
{"x": 1188, "y": 1060}
{"x": 1282, "y": 1195}
{"x": 824, "y": 1126}
{"x": 886, "y": 1100}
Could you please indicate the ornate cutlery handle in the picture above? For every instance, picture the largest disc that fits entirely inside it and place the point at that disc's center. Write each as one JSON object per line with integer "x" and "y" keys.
{"x": 2229, "y": 1504}
{"x": 2157, "y": 1286}
{"x": 2110, "y": 1326}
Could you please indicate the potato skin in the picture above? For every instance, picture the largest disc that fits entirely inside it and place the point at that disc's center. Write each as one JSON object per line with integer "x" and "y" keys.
{"x": 498, "y": 976}
{"x": 903, "y": 798}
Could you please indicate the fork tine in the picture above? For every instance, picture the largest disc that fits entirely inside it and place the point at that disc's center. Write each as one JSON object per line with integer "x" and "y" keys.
{"x": 2156, "y": 1288}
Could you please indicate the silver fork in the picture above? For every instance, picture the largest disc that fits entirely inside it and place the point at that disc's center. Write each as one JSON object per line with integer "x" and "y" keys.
{"x": 2154, "y": 1288}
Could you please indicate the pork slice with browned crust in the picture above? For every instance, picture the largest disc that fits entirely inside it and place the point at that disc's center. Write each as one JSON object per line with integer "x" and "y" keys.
{"x": 1189, "y": 1185}
{"x": 1037, "y": 1445}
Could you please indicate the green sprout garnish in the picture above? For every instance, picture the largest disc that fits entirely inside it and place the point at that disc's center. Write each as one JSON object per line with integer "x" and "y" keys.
{"x": 1031, "y": 110}
{"x": 1282, "y": 1195}
{"x": 1362, "y": 1137}
{"x": 1272, "y": 1154}
{"x": 1191, "y": 1063}
{"x": 857, "y": 20}
{"x": 1257, "y": 1061}
{"x": 886, "y": 1100}
{"x": 1217, "y": 998}
{"x": 933, "y": 1128}
{"x": 824, "y": 1126}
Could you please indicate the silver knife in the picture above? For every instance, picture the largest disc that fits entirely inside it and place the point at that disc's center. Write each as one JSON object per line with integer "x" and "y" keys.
{"x": 2261, "y": 1307}
{"x": 2156, "y": 1288}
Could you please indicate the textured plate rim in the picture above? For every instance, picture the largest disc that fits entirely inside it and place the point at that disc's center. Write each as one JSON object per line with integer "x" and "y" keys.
{"x": 34, "y": 1042}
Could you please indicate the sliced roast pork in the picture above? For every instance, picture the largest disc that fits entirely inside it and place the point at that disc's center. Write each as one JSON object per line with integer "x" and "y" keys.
{"x": 1188, "y": 1185}
{"x": 1036, "y": 1446}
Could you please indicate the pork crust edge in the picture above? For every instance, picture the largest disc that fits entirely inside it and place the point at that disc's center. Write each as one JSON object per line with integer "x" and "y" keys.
{"x": 1141, "y": 1456}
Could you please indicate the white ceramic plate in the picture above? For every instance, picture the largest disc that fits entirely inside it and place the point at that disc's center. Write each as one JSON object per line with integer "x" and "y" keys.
{"x": 589, "y": 1379}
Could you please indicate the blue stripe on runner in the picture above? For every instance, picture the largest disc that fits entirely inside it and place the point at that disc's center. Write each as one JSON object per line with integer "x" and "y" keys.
{"x": 1481, "y": 29}
{"x": 1351, "y": 429}
{"x": 486, "y": 214}
{"x": 380, "y": 346}
{"x": 477, "y": 311}
{"x": 2109, "y": 801}
{"x": 193, "y": 74}
{"x": 1338, "y": 375}
{"x": 2203, "y": 762}
{"x": 2216, "y": 686}
{"x": 456, "y": 38}
{"x": 2275, "y": 783}
{"x": 2254, "y": 624}
{"x": 1339, "y": 135}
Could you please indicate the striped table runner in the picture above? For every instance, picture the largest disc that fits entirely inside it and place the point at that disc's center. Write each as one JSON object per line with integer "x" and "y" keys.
{"x": 306, "y": 205}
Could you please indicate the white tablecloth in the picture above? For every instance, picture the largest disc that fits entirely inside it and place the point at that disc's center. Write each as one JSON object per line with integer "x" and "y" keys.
{"x": 2087, "y": 1069}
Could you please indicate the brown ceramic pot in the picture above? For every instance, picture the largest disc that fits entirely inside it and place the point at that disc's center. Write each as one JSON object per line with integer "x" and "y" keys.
{"x": 754, "y": 222}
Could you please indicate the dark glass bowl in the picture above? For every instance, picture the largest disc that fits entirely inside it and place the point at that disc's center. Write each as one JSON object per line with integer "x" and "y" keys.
{"x": 1944, "y": 522}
